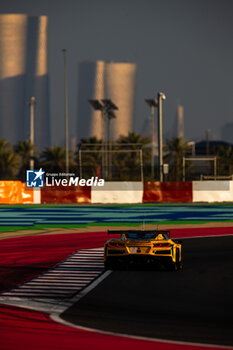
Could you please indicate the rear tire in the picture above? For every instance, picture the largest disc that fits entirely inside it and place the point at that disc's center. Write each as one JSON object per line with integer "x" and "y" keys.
{"x": 109, "y": 264}
{"x": 180, "y": 263}
{"x": 174, "y": 265}
{"x": 171, "y": 266}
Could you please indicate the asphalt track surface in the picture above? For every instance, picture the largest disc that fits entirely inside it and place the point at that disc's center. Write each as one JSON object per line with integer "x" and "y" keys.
{"x": 24, "y": 258}
{"x": 193, "y": 305}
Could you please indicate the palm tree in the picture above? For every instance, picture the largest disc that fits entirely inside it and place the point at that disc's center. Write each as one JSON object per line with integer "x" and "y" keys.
{"x": 123, "y": 160}
{"x": 24, "y": 150}
{"x": 134, "y": 139}
{"x": 128, "y": 163}
{"x": 226, "y": 158}
{"x": 90, "y": 141}
{"x": 53, "y": 159}
{"x": 4, "y": 145}
{"x": 177, "y": 148}
{"x": 9, "y": 161}
{"x": 89, "y": 156}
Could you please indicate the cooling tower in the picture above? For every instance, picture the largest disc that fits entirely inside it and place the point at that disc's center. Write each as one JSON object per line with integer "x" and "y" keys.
{"x": 23, "y": 74}
{"x": 96, "y": 122}
{"x": 120, "y": 86}
{"x": 100, "y": 80}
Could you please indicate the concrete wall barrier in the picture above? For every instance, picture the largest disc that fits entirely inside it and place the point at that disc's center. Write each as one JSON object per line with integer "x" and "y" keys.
{"x": 212, "y": 191}
{"x": 15, "y": 192}
{"x": 118, "y": 192}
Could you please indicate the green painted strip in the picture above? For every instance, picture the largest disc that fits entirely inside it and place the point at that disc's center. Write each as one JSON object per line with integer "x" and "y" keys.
{"x": 115, "y": 205}
{"x": 45, "y": 227}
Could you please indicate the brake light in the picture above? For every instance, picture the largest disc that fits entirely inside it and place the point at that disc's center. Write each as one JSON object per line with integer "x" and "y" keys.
{"x": 111, "y": 244}
{"x": 115, "y": 244}
{"x": 161, "y": 245}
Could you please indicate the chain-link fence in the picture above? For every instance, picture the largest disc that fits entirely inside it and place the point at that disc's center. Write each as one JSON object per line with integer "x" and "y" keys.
{"x": 125, "y": 164}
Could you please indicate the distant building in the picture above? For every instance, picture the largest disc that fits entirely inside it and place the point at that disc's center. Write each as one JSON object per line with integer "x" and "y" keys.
{"x": 180, "y": 121}
{"x": 214, "y": 147}
{"x": 227, "y": 132}
{"x": 102, "y": 80}
{"x": 177, "y": 129}
{"x": 23, "y": 74}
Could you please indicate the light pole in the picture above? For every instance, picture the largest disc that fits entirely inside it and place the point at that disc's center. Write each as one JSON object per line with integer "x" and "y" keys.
{"x": 66, "y": 114}
{"x": 161, "y": 96}
{"x": 97, "y": 106}
{"x": 207, "y": 142}
{"x": 152, "y": 104}
{"x": 32, "y": 104}
{"x": 106, "y": 107}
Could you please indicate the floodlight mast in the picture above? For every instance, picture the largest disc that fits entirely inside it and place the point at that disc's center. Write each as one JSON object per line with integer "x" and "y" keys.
{"x": 106, "y": 106}
{"x": 161, "y": 96}
{"x": 32, "y": 104}
{"x": 109, "y": 108}
{"x": 152, "y": 104}
{"x": 98, "y": 106}
{"x": 66, "y": 114}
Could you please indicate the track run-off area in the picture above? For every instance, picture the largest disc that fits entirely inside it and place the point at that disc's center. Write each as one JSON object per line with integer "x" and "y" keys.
{"x": 18, "y": 217}
{"x": 55, "y": 294}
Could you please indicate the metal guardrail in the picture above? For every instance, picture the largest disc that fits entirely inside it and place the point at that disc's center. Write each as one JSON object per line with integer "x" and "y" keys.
{"x": 217, "y": 177}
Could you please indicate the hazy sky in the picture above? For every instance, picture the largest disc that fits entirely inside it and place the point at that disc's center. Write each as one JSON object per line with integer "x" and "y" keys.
{"x": 181, "y": 47}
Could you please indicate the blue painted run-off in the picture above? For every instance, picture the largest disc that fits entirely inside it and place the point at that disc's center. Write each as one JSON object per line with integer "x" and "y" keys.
{"x": 28, "y": 216}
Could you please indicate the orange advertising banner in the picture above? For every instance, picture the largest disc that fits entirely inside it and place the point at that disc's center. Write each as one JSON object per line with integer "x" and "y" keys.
{"x": 60, "y": 195}
{"x": 177, "y": 192}
{"x": 15, "y": 192}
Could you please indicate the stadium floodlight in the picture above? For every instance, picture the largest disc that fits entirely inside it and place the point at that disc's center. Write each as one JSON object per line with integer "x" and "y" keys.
{"x": 111, "y": 115}
{"x": 106, "y": 106}
{"x": 109, "y": 108}
{"x": 109, "y": 104}
{"x": 96, "y": 105}
{"x": 162, "y": 95}
{"x": 152, "y": 102}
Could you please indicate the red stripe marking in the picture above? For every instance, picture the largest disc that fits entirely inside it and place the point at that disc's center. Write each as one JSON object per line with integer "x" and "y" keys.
{"x": 23, "y": 329}
{"x": 23, "y": 258}
{"x": 201, "y": 232}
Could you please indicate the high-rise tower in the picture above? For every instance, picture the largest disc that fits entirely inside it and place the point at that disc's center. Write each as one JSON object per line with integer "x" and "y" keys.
{"x": 23, "y": 74}
{"x": 101, "y": 80}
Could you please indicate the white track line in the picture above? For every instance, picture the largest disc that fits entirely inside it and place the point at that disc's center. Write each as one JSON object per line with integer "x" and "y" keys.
{"x": 62, "y": 282}
{"x": 55, "y": 317}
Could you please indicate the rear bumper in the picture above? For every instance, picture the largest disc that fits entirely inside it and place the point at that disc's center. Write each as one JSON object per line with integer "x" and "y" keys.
{"x": 126, "y": 254}
{"x": 138, "y": 258}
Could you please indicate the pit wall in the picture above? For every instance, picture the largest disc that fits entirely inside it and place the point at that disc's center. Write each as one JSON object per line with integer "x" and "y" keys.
{"x": 15, "y": 192}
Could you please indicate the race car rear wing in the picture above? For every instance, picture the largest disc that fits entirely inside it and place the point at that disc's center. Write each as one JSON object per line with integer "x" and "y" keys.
{"x": 123, "y": 232}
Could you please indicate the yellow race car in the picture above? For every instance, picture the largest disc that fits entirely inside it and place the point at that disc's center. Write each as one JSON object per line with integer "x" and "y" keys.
{"x": 153, "y": 247}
